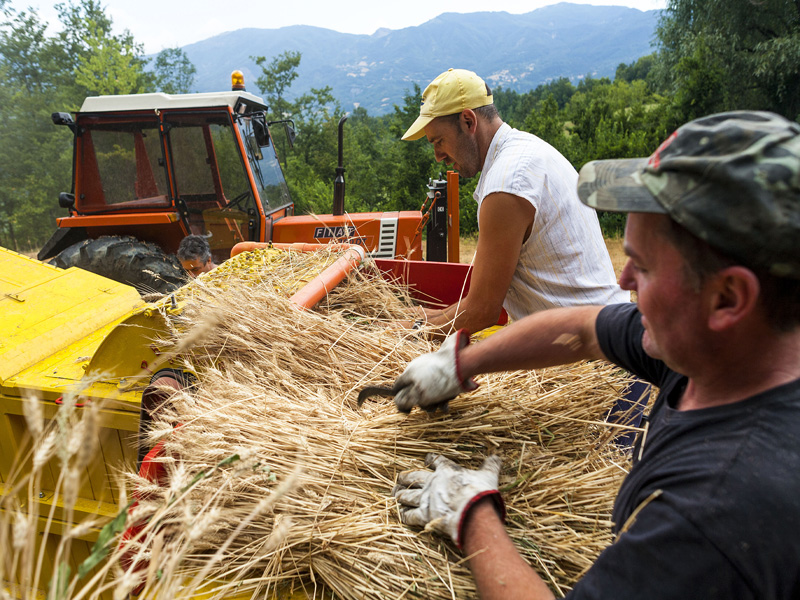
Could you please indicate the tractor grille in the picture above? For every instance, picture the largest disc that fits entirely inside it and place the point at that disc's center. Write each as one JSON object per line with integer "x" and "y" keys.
{"x": 387, "y": 242}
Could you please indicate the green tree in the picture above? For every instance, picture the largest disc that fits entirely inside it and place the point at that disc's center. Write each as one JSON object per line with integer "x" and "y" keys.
{"x": 700, "y": 84}
{"x": 276, "y": 79}
{"x": 316, "y": 115}
{"x": 310, "y": 165}
{"x": 639, "y": 69}
{"x": 35, "y": 158}
{"x": 174, "y": 72}
{"x": 731, "y": 55}
{"x": 515, "y": 107}
{"x": 96, "y": 55}
{"x": 603, "y": 120}
{"x": 615, "y": 120}
{"x": 561, "y": 89}
{"x": 41, "y": 74}
{"x": 113, "y": 65}
{"x": 414, "y": 161}
{"x": 546, "y": 122}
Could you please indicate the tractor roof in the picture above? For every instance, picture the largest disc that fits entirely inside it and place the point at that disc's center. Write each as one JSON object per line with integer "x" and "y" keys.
{"x": 161, "y": 101}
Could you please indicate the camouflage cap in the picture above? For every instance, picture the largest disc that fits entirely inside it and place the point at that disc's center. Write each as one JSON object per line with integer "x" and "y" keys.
{"x": 732, "y": 179}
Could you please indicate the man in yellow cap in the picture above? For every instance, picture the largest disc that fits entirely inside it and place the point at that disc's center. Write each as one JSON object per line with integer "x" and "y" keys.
{"x": 538, "y": 247}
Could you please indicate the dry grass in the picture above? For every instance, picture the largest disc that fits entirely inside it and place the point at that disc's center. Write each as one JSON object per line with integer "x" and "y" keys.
{"x": 277, "y": 482}
{"x": 617, "y": 253}
{"x": 466, "y": 248}
{"x": 277, "y": 390}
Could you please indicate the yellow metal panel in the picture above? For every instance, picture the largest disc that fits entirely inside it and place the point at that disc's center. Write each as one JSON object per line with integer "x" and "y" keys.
{"x": 44, "y": 309}
{"x": 63, "y": 372}
{"x": 64, "y": 329}
{"x": 129, "y": 349}
{"x": 117, "y": 444}
{"x": 83, "y": 509}
{"x": 116, "y": 451}
{"x": 119, "y": 453}
{"x": 9, "y": 448}
{"x": 47, "y": 546}
{"x": 16, "y": 272}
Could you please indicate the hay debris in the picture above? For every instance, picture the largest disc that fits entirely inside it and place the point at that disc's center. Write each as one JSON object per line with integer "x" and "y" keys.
{"x": 277, "y": 391}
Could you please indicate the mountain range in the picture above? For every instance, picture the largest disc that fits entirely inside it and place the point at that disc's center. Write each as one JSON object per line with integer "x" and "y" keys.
{"x": 515, "y": 51}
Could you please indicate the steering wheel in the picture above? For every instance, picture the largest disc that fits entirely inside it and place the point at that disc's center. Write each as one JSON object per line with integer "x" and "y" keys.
{"x": 237, "y": 201}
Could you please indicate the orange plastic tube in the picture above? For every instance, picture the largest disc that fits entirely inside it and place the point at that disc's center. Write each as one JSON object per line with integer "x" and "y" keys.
{"x": 316, "y": 289}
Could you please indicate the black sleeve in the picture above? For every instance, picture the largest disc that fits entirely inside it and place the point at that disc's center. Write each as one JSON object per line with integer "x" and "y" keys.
{"x": 662, "y": 556}
{"x": 619, "y": 333}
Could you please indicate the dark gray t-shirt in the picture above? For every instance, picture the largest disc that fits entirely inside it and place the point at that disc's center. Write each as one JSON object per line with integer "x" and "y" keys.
{"x": 712, "y": 508}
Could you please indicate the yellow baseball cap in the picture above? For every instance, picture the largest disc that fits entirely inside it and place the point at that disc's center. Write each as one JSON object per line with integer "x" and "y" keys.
{"x": 450, "y": 93}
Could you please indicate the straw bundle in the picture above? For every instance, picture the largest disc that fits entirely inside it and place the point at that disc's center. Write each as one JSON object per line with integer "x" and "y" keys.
{"x": 284, "y": 482}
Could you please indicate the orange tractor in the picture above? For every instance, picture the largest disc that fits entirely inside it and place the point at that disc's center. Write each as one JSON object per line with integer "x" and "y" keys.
{"x": 150, "y": 169}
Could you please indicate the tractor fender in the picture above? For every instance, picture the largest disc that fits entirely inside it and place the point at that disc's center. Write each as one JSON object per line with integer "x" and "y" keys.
{"x": 62, "y": 239}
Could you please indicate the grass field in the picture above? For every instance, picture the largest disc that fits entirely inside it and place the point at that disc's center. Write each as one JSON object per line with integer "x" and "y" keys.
{"x": 617, "y": 253}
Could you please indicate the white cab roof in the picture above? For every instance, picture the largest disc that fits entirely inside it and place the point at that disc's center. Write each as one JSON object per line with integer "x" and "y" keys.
{"x": 161, "y": 101}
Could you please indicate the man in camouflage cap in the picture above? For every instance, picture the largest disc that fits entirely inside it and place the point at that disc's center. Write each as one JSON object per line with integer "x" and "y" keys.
{"x": 730, "y": 179}
{"x": 711, "y": 506}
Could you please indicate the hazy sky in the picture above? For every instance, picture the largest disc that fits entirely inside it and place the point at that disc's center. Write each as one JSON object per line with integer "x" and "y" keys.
{"x": 160, "y": 24}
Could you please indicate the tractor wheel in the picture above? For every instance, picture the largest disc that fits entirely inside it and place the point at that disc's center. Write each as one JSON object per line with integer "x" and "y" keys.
{"x": 127, "y": 260}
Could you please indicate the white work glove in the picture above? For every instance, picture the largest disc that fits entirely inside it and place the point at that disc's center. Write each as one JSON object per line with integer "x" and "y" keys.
{"x": 433, "y": 379}
{"x": 440, "y": 499}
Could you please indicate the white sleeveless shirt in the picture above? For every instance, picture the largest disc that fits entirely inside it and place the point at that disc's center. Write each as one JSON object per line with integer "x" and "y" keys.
{"x": 564, "y": 261}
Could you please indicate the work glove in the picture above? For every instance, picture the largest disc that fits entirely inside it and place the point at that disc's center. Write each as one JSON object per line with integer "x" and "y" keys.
{"x": 430, "y": 381}
{"x": 440, "y": 499}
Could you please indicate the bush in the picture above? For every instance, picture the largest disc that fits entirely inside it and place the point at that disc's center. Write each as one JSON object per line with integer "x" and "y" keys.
{"x": 612, "y": 224}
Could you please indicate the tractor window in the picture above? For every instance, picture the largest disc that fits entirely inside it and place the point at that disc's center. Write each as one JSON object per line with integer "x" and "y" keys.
{"x": 232, "y": 173}
{"x": 266, "y": 169}
{"x": 208, "y": 166}
{"x": 211, "y": 179}
{"x": 121, "y": 166}
{"x": 190, "y": 161}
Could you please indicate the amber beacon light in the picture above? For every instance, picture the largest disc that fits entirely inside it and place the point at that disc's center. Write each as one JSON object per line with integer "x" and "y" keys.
{"x": 237, "y": 81}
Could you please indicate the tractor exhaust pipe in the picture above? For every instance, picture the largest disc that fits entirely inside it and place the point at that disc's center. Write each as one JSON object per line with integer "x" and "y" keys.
{"x": 338, "y": 183}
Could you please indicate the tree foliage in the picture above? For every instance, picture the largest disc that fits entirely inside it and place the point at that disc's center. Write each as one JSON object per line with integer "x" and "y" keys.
{"x": 718, "y": 55}
{"x": 173, "y": 71}
{"x": 380, "y": 173}
{"x": 712, "y": 55}
{"x": 35, "y": 158}
{"x": 276, "y": 79}
{"x": 111, "y": 66}
{"x": 41, "y": 74}
{"x": 639, "y": 70}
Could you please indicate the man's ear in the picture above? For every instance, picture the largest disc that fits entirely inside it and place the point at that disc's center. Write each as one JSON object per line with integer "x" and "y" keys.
{"x": 468, "y": 120}
{"x": 733, "y": 296}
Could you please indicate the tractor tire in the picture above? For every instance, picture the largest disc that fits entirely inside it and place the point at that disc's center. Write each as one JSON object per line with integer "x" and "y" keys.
{"x": 127, "y": 260}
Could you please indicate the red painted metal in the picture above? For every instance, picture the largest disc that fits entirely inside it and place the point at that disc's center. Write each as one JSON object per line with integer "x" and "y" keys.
{"x": 431, "y": 283}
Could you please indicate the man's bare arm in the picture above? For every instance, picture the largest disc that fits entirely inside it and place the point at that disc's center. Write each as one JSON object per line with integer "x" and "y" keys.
{"x": 548, "y": 338}
{"x": 505, "y": 221}
{"x": 499, "y": 570}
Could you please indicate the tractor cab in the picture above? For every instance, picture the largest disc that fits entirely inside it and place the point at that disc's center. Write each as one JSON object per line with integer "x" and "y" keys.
{"x": 158, "y": 167}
